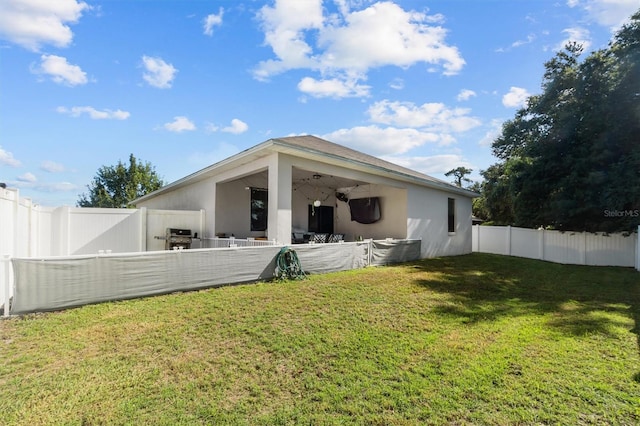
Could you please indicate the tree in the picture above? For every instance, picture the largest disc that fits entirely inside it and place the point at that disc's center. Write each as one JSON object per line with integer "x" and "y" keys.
{"x": 573, "y": 153}
{"x": 116, "y": 186}
{"x": 459, "y": 174}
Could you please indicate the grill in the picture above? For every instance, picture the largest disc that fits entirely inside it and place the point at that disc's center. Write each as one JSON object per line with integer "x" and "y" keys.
{"x": 176, "y": 239}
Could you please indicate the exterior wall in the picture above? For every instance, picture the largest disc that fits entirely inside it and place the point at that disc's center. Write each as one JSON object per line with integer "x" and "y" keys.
{"x": 427, "y": 219}
{"x": 233, "y": 213}
{"x": 407, "y": 210}
{"x": 393, "y": 213}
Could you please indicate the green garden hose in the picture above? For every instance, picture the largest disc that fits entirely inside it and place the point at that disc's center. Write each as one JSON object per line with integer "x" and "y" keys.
{"x": 288, "y": 265}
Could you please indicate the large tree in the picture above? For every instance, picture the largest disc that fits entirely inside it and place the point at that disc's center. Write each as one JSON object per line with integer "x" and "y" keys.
{"x": 116, "y": 186}
{"x": 571, "y": 157}
{"x": 459, "y": 175}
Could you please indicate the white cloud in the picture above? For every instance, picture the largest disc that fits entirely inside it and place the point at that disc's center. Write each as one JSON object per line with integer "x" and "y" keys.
{"x": 158, "y": 73}
{"x": 180, "y": 124}
{"x": 28, "y": 177}
{"x": 52, "y": 167}
{"x": 435, "y": 117}
{"x": 385, "y": 34}
{"x": 332, "y": 88}
{"x": 237, "y": 127}
{"x": 397, "y": 84}
{"x": 211, "y": 128}
{"x": 516, "y": 98}
{"x": 61, "y": 71}
{"x": 431, "y": 164}
{"x": 518, "y": 43}
{"x": 495, "y": 129}
{"x": 48, "y": 187}
{"x": 7, "y": 159}
{"x": 344, "y": 47}
{"x": 211, "y": 21}
{"x": 31, "y": 23}
{"x": 284, "y": 26}
{"x": 608, "y": 13}
{"x": 579, "y": 35}
{"x": 530, "y": 39}
{"x": 465, "y": 95}
{"x": 382, "y": 141}
{"x": 93, "y": 113}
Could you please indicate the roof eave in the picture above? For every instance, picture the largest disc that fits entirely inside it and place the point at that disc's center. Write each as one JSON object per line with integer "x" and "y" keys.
{"x": 203, "y": 173}
{"x": 443, "y": 186}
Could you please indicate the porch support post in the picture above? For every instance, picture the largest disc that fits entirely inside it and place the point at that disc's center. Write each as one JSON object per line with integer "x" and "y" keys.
{"x": 279, "y": 216}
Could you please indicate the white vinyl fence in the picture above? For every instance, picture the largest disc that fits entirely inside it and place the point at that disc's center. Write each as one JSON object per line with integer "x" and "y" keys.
{"x": 29, "y": 230}
{"x": 580, "y": 248}
{"x": 42, "y": 284}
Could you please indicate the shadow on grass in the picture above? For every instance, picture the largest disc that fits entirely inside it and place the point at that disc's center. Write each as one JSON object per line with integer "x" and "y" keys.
{"x": 580, "y": 299}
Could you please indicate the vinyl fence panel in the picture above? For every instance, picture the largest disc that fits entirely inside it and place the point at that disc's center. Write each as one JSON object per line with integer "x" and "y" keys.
{"x": 580, "y": 248}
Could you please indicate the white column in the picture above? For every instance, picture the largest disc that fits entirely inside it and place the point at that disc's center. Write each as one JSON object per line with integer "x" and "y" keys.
{"x": 279, "y": 214}
{"x": 6, "y": 282}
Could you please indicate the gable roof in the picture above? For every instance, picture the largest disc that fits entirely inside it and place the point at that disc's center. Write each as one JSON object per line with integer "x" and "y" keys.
{"x": 315, "y": 148}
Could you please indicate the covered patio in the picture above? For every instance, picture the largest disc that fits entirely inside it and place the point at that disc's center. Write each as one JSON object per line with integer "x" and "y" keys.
{"x": 324, "y": 207}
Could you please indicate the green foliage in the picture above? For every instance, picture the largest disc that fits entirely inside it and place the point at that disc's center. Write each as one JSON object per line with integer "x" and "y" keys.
{"x": 459, "y": 174}
{"x": 467, "y": 340}
{"x": 116, "y": 186}
{"x": 570, "y": 159}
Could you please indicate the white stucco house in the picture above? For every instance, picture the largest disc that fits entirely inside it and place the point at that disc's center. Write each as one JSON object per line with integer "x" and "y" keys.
{"x": 286, "y": 187}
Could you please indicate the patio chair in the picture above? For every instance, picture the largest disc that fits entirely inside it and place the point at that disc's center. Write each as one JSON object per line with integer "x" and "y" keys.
{"x": 319, "y": 238}
{"x": 335, "y": 238}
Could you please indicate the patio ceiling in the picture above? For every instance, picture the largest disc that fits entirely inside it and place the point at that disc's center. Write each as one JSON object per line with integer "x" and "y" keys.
{"x": 302, "y": 177}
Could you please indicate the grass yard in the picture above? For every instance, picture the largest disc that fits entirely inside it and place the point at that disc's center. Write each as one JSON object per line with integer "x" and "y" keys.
{"x": 476, "y": 339}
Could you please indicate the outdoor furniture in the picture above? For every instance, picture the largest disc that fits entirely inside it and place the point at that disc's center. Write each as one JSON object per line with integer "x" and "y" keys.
{"x": 335, "y": 238}
{"x": 319, "y": 238}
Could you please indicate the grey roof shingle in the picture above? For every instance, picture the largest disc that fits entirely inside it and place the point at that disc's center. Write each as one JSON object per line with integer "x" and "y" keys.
{"x": 332, "y": 149}
{"x": 321, "y": 148}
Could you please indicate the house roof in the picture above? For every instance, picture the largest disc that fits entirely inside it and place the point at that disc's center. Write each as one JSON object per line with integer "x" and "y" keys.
{"x": 318, "y": 149}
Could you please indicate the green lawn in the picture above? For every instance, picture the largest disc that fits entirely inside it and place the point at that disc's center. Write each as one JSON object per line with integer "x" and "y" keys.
{"x": 477, "y": 339}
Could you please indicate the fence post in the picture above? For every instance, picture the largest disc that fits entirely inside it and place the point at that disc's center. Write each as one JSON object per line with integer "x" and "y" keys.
{"x": 16, "y": 222}
{"x": 142, "y": 246}
{"x": 541, "y": 243}
{"x": 202, "y": 223}
{"x": 509, "y": 240}
{"x": 475, "y": 238}
{"x": 638, "y": 249}
{"x": 6, "y": 264}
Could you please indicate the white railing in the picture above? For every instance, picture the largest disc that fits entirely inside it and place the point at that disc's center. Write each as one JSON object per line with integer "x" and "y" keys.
{"x": 578, "y": 248}
{"x": 231, "y": 242}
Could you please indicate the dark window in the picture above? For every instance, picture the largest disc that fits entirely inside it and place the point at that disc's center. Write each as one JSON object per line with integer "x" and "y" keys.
{"x": 259, "y": 208}
{"x": 452, "y": 215}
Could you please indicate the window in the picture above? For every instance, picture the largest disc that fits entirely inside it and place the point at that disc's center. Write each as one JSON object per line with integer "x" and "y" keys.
{"x": 259, "y": 208}
{"x": 452, "y": 214}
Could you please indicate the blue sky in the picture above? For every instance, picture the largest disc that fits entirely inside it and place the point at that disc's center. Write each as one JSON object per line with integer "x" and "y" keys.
{"x": 184, "y": 84}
